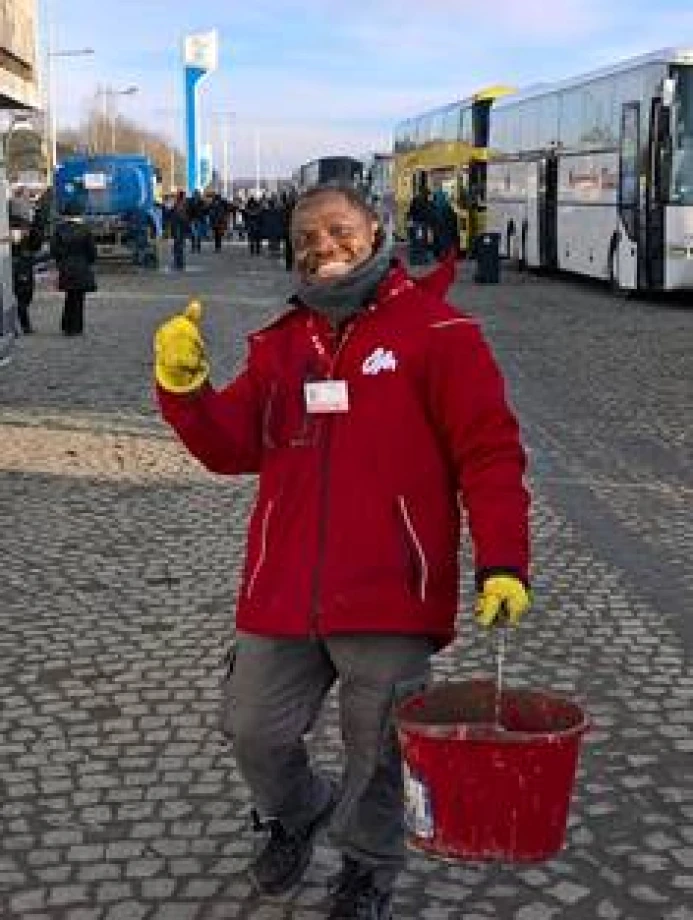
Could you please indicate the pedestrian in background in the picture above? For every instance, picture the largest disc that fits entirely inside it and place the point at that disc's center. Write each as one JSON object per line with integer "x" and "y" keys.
{"x": 288, "y": 202}
{"x": 196, "y": 217}
{"x": 74, "y": 251}
{"x": 444, "y": 225}
{"x": 419, "y": 223}
{"x": 180, "y": 225}
{"x": 252, "y": 219}
{"x": 26, "y": 242}
{"x": 219, "y": 219}
{"x": 273, "y": 228}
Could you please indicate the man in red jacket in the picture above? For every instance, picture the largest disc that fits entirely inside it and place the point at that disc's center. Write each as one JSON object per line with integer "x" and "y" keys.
{"x": 373, "y": 412}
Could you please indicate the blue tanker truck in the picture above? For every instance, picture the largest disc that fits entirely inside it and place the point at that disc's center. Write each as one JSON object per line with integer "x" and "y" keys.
{"x": 117, "y": 194}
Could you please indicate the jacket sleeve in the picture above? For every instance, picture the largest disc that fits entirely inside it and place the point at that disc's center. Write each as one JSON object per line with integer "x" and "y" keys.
{"x": 223, "y": 429}
{"x": 56, "y": 246}
{"x": 470, "y": 409}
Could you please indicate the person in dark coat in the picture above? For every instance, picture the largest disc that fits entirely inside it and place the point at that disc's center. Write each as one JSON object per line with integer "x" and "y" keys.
{"x": 179, "y": 223}
{"x": 252, "y": 217}
{"x": 26, "y": 242}
{"x": 446, "y": 234}
{"x": 420, "y": 220}
{"x": 274, "y": 226}
{"x": 74, "y": 251}
{"x": 288, "y": 203}
{"x": 196, "y": 216}
{"x": 219, "y": 220}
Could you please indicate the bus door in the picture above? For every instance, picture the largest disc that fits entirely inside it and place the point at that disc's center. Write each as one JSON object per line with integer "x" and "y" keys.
{"x": 477, "y": 201}
{"x": 547, "y": 204}
{"x": 656, "y": 195}
{"x": 625, "y": 271}
{"x": 462, "y": 207}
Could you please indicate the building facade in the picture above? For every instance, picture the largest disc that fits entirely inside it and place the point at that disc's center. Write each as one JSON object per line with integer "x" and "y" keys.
{"x": 19, "y": 91}
{"x": 18, "y": 54}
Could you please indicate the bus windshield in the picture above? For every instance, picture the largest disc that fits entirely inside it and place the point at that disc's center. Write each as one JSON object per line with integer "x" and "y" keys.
{"x": 682, "y": 159}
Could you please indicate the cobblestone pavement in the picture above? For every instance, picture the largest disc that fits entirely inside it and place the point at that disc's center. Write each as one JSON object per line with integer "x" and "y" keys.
{"x": 118, "y": 575}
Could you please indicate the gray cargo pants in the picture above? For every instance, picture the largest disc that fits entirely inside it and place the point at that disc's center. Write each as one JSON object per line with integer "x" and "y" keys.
{"x": 272, "y": 696}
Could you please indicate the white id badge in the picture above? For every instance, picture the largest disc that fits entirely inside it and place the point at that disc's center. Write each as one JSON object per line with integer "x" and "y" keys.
{"x": 327, "y": 396}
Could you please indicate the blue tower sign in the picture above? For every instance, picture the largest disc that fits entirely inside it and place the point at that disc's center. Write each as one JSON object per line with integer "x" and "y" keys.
{"x": 200, "y": 57}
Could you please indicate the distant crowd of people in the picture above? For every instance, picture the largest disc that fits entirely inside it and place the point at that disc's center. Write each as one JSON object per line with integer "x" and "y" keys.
{"x": 257, "y": 220}
{"x": 263, "y": 221}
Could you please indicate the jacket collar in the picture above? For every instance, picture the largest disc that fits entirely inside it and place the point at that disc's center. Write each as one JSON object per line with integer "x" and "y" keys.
{"x": 395, "y": 281}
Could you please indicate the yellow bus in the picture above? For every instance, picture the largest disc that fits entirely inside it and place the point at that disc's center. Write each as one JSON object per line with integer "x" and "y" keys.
{"x": 446, "y": 148}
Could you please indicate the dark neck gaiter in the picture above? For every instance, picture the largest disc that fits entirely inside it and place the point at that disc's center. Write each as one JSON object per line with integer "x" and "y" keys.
{"x": 341, "y": 298}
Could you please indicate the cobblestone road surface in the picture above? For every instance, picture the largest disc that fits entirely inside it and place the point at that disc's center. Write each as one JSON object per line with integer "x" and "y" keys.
{"x": 120, "y": 560}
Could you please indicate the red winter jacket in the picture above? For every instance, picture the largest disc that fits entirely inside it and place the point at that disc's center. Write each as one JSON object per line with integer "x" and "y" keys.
{"x": 356, "y": 526}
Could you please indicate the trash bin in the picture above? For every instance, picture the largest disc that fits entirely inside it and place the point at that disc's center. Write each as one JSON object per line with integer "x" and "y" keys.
{"x": 487, "y": 251}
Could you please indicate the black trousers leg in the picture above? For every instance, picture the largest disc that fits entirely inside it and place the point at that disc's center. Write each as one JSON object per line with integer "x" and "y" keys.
{"x": 23, "y": 314}
{"x": 80, "y": 298}
{"x": 73, "y": 313}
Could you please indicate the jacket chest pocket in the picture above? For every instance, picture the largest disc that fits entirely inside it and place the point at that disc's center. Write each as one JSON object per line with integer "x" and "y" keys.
{"x": 285, "y": 421}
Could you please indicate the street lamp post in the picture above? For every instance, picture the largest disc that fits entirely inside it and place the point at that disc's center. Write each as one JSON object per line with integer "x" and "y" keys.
{"x": 222, "y": 124}
{"x": 50, "y": 100}
{"x": 110, "y": 93}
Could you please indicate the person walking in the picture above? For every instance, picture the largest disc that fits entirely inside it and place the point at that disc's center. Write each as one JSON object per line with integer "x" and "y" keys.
{"x": 373, "y": 412}
{"x": 74, "y": 251}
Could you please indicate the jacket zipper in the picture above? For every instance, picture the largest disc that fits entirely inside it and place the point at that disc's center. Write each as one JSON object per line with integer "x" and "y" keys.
{"x": 263, "y": 548}
{"x": 324, "y": 497}
{"x": 417, "y": 545}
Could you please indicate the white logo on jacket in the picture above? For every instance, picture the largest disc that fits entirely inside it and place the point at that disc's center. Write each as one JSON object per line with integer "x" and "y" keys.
{"x": 380, "y": 360}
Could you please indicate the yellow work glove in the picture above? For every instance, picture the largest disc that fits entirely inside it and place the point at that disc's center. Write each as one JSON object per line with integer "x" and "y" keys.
{"x": 501, "y": 595}
{"x": 181, "y": 364}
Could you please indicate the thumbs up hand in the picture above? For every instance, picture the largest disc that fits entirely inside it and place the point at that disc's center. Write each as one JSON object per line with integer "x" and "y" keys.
{"x": 180, "y": 364}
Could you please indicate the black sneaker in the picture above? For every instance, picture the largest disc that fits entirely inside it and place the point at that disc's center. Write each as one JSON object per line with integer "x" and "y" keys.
{"x": 285, "y": 856}
{"x": 355, "y": 895}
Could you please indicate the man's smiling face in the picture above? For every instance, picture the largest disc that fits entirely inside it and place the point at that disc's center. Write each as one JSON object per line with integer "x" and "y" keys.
{"x": 331, "y": 236}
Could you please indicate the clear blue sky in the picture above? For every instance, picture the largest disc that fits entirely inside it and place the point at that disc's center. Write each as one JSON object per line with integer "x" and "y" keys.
{"x": 311, "y": 77}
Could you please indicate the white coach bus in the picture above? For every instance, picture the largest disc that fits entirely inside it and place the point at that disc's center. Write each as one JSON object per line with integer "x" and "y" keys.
{"x": 595, "y": 175}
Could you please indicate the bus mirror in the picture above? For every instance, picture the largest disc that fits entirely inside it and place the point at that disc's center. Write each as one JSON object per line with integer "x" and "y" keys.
{"x": 668, "y": 91}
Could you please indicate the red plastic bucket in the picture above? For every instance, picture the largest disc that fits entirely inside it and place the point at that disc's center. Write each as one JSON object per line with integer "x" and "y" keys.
{"x": 475, "y": 789}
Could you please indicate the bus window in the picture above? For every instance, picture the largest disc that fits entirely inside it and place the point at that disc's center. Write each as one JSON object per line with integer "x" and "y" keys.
{"x": 682, "y": 161}
{"x": 465, "y": 128}
{"x": 451, "y": 124}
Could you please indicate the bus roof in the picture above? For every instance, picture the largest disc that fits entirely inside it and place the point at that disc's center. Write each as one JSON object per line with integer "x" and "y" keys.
{"x": 488, "y": 94}
{"x": 662, "y": 56}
